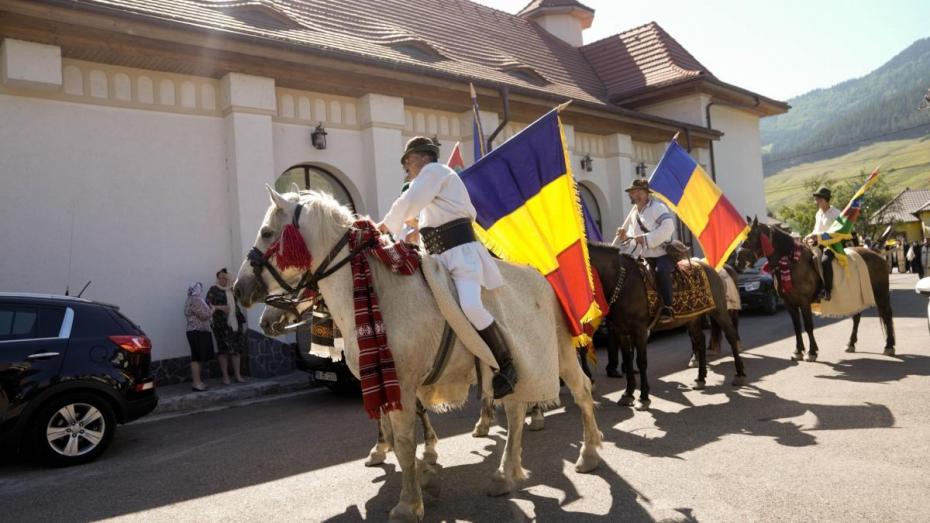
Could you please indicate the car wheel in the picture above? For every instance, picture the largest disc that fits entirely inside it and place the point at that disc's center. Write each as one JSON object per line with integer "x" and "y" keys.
{"x": 771, "y": 303}
{"x": 73, "y": 429}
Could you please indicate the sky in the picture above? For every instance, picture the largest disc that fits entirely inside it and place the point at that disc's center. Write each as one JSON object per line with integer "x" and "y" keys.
{"x": 777, "y": 49}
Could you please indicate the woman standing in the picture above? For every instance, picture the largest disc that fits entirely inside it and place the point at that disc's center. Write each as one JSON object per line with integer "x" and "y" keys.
{"x": 228, "y": 326}
{"x": 198, "y": 315}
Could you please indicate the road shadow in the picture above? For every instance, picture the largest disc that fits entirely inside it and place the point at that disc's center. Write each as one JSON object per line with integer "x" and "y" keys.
{"x": 874, "y": 370}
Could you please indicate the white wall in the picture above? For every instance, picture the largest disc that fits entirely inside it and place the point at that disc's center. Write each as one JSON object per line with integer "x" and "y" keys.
{"x": 144, "y": 193}
{"x": 738, "y": 159}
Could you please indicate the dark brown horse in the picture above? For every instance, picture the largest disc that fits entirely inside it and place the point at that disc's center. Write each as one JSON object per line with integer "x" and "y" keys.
{"x": 628, "y": 317}
{"x": 806, "y": 286}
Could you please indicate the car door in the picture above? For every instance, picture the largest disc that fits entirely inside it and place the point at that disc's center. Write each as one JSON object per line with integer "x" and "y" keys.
{"x": 33, "y": 342}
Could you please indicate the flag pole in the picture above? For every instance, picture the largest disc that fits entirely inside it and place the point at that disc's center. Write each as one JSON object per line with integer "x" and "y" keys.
{"x": 675, "y": 138}
{"x": 561, "y": 107}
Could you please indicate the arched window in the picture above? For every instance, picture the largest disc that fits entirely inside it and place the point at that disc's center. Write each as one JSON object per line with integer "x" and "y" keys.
{"x": 591, "y": 203}
{"x": 316, "y": 178}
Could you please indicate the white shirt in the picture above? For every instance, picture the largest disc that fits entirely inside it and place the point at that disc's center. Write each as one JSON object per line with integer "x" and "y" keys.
{"x": 437, "y": 196}
{"x": 657, "y": 218}
{"x": 824, "y": 220}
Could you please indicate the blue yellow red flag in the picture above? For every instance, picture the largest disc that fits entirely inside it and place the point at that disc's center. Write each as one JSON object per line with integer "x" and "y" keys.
{"x": 685, "y": 187}
{"x": 528, "y": 212}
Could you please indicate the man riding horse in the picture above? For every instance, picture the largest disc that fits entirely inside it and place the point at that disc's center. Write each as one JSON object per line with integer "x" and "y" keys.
{"x": 826, "y": 215}
{"x": 439, "y": 199}
{"x": 651, "y": 226}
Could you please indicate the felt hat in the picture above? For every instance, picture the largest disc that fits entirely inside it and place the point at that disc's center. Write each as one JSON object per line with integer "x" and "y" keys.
{"x": 639, "y": 185}
{"x": 823, "y": 192}
{"x": 420, "y": 144}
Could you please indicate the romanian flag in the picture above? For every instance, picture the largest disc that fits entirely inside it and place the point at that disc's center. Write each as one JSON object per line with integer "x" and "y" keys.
{"x": 843, "y": 225}
{"x": 456, "y": 162}
{"x": 529, "y": 213}
{"x": 684, "y": 186}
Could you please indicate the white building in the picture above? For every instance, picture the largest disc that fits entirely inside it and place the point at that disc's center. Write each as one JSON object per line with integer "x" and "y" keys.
{"x": 136, "y": 136}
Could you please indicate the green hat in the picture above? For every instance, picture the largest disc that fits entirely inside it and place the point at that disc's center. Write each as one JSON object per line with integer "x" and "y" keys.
{"x": 420, "y": 144}
{"x": 823, "y": 192}
{"x": 639, "y": 185}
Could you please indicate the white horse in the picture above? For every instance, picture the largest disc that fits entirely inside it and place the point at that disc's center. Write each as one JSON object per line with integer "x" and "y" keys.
{"x": 531, "y": 315}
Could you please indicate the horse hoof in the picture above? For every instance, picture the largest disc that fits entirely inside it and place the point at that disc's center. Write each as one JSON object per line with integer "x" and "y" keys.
{"x": 375, "y": 458}
{"x": 797, "y": 356}
{"x": 402, "y": 513}
{"x": 889, "y": 351}
{"x": 587, "y": 462}
{"x": 625, "y": 401}
{"x": 812, "y": 356}
{"x": 430, "y": 456}
{"x": 481, "y": 431}
{"x": 643, "y": 405}
{"x": 693, "y": 362}
{"x": 500, "y": 485}
{"x": 429, "y": 478}
{"x": 536, "y": 424}
{"x": 851, "y": 347}
{"x": 699, "y": 385}
{"x": 740, "y": 381}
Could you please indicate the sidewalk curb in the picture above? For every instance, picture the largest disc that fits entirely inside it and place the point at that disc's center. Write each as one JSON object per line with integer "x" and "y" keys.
{"x": 171, "y": 401}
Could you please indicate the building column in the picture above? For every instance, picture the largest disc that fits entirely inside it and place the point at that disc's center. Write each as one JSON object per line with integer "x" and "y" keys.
{"x": 248, "y": 103}
{"x": 382, "y": 120}
{"x": 620, "y": 172}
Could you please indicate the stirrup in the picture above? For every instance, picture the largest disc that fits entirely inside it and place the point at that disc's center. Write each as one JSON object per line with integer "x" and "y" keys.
{"x": 667, "y": 313}
{"x": 504, "y": 381}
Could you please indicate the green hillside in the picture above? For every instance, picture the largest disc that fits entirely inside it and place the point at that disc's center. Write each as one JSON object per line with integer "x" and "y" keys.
{"x": 825, "y": 123}
{"x": 904, "y": 163}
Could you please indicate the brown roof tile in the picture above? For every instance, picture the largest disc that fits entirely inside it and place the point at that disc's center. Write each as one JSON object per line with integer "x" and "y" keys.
{"x": 548, "y": 4}
{"x": 641, "y": 58}
{"x": 903, "y": 206}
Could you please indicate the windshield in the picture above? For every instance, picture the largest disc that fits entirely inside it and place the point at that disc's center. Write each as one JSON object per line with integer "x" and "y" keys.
{"x": 757, "y": 267}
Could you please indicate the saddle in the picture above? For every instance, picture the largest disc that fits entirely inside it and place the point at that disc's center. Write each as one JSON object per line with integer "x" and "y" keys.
{"x": 691, "y": 294}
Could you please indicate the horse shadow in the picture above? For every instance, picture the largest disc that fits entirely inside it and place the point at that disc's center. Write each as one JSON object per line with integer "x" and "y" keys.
{"x": 548, "y": 491}
{"x": 696, "y": 426}
{"x": 885, "y": 370}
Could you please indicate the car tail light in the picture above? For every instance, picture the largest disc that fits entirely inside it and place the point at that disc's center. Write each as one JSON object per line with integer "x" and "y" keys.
{"x": 133, "y": 343}
{"x": 143, "y": 386}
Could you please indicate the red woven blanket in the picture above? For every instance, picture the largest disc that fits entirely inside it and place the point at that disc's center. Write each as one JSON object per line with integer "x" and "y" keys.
{"x": 783, "y": 272}
{"x": 380, "y": 389}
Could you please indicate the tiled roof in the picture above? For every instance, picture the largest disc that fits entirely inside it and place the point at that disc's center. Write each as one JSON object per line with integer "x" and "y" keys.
{"x": 641, "y": 58}
{"x": 456, "y": 37}
{"x": 903, "y": 206}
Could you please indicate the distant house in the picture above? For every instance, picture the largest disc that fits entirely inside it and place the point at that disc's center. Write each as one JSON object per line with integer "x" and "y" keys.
{"x": 904, "y": 214}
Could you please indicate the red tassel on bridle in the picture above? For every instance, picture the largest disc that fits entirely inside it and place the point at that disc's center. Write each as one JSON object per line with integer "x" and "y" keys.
{"x": 291, "y": 249}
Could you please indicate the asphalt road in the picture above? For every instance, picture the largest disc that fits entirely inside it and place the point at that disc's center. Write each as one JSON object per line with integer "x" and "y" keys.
{"x": 845, "y": 438}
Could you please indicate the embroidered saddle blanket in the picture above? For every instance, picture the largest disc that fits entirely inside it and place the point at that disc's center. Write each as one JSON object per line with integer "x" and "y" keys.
{"x": 691, "y": 294}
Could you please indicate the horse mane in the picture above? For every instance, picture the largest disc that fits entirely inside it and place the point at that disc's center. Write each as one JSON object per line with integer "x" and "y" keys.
{"x": 331, "y": 217}
{"x": 603, "y": 246}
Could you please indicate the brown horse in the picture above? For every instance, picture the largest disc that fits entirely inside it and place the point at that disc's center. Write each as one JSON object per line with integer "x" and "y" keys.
{"x": 806, "y": 286}
{"x": 628, "y": 317}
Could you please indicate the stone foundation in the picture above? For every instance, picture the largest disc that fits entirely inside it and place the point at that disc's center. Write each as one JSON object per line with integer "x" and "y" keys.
{"x": 266, "y": 357}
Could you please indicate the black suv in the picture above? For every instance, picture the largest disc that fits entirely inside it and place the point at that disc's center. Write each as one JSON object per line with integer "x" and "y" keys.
{"x": 70, "y": 370}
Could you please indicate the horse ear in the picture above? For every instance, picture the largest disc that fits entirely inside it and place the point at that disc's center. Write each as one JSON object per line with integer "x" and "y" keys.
{"x": 277, "y": 199}
{"x": 755, "y": 220}
{"x": 748, "y": 219}
{"x": 295, "y": 188}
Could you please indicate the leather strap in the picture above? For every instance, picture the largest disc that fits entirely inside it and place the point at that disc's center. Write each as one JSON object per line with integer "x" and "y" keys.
{"x": 447, "y": 236}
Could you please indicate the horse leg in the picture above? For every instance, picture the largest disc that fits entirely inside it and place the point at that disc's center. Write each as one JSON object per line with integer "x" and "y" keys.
{"x": 697, "y": 347}
{"x": 641, "y": 363}
{"x": 613, "y": 346}
{"x": 795, "y": 312}
{"x": 410, "y": 505}
{"x": 809, "y": 327}
{"x": 511, "y": 466}
{"x": 626, "y": 348}
{"x": 429, "y": 436}
{"x": 483, "y": 426}
{"x": 378, "y": 453}
{"x": 854, "y": 337}
{"x": 583, "y": 360}
{"x": 725, "y": 320}
{"x": 715, "y": 331}
{"x": 883, "y": 300}
{"x": 580, "y": 387}
{"x": 537, "y": 419}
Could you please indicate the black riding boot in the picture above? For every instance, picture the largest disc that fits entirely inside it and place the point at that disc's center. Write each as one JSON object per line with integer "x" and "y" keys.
{"x": 826, "y": 262}
{"x": 505, "y": 379}
{"x": 664, "y": 280}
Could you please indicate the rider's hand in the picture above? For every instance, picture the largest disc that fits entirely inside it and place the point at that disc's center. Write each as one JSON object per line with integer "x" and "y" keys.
{"x": 621, "y": 234}
{"x": 384, "y": 228}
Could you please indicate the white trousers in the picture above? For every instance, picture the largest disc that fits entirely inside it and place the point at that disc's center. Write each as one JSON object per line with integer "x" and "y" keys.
{"x": 470, "y": 300}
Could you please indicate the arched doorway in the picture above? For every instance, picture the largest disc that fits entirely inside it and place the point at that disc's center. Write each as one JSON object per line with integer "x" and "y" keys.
{"x": 590, "y": 203}
{"x": 315, "y": 178}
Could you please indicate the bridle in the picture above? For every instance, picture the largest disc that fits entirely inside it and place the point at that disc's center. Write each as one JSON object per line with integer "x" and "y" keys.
{"x": 307, "y": 288}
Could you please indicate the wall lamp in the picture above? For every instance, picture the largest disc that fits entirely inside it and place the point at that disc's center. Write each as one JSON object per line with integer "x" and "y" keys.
{"x": 587, "y": 163}
{"x": 318, "y": 137}
{"x": 641, "y": 170}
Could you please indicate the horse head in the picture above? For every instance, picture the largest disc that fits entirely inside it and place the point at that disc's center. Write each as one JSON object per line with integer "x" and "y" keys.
{"x": 753, "y": 241}
{"x": 321, "y": 221}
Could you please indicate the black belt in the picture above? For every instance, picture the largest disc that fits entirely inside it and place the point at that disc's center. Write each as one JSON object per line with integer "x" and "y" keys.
{"x": 447, "y": 236}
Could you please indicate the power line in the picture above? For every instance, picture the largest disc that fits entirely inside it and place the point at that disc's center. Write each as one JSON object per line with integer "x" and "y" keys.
{"x": 867, "y": 139}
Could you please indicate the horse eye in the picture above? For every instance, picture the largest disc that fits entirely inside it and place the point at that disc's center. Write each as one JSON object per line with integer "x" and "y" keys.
{"x": 267, "y": 233}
